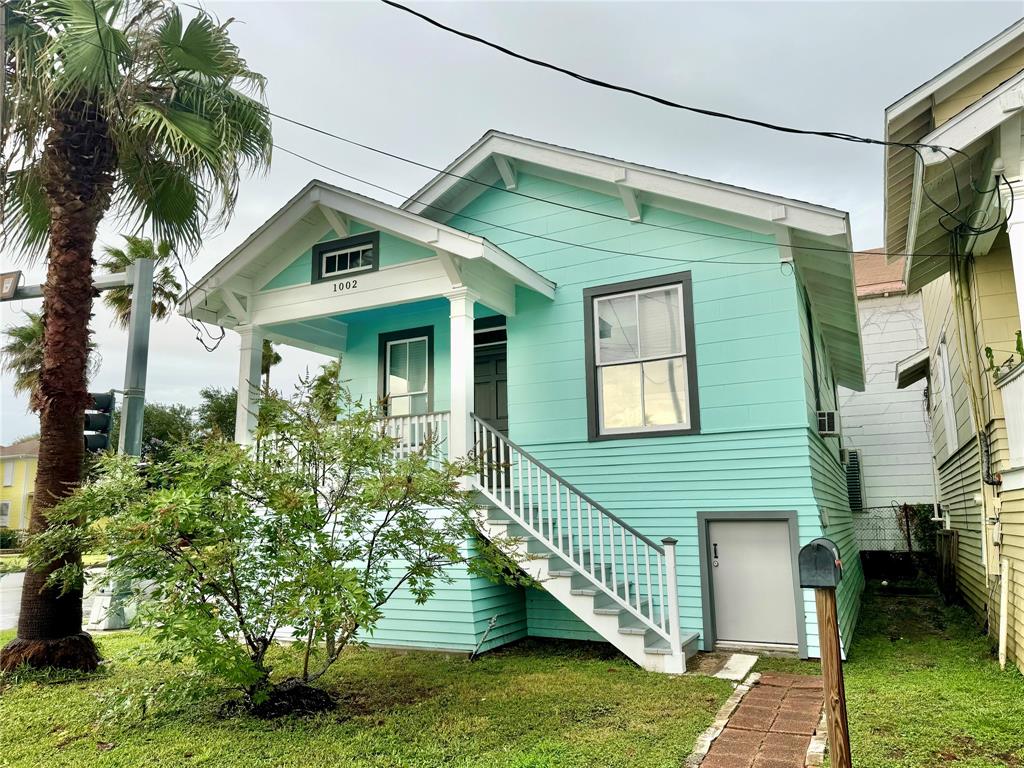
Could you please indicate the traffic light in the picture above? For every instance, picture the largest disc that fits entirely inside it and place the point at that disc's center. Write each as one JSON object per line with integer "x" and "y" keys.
{"x": 98, "y": 417}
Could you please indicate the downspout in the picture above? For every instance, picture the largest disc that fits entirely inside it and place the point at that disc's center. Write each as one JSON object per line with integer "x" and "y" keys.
{"x": 969, "y": 350}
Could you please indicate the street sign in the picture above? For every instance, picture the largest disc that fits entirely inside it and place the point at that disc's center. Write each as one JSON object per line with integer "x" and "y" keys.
{"x": 9, "y": 282}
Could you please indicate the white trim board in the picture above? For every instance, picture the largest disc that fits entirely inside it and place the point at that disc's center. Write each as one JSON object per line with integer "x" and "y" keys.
{"x": 616, "y": 174}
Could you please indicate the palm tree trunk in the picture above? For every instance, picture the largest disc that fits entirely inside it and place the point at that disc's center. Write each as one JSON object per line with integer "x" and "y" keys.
{"x": 78, "y": 163}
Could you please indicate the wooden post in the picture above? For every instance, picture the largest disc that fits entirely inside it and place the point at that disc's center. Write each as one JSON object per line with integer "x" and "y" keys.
{"x": 832, "y": 674}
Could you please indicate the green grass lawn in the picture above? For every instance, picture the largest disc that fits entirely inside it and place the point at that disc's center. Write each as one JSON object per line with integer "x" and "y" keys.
{"x": 923, "y": 689}
{"x": 537, "y": 705}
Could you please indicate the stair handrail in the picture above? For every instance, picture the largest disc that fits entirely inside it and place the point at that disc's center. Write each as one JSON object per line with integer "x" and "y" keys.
{"x": 599, "y": 507}
{"x": 658, "y": 609}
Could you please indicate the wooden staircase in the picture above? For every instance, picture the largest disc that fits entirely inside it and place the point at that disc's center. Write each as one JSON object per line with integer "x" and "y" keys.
{"x": 613, "y": 578}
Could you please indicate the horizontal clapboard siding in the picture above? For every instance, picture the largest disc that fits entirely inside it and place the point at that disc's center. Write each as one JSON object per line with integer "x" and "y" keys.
{"x": 549, "y": 618}
{"x": 828, "y": 484}
{"x": 1012, "y": 517}
{"x": 959, "y": 483}
{"x": 659, "y": 486}
{"x": 889, "y": 426}
{"x": 746, "y": 342}
{"x": 754, "y": 451}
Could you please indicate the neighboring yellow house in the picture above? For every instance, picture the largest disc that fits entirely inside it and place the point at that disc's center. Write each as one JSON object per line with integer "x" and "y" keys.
{"x": 955, "y": 206}
{"x": 17, "y": 482}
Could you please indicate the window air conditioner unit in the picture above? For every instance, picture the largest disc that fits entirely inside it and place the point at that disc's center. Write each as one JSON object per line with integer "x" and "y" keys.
{"x": 828, "y": 423}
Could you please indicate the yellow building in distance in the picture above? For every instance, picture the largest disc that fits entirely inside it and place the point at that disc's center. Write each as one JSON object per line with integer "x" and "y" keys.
{"x": 17, "y": 482}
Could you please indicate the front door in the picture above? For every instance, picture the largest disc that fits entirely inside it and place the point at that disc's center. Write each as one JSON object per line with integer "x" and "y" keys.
{"x": 752, "y": 582}
{"x": 490, "y": 394}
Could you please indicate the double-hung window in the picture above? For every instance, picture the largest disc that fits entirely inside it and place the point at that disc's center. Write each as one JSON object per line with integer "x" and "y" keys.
{"x": 641, "y": 366}
{"x": 407, "y": 371}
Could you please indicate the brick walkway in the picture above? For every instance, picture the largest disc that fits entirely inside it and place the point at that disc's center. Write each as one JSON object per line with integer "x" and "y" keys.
{"x": 772, "y": 726}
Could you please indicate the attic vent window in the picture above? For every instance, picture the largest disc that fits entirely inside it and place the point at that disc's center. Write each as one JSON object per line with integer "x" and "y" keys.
{"x": 347, "y": 260}
{"x": 349, "y": 256}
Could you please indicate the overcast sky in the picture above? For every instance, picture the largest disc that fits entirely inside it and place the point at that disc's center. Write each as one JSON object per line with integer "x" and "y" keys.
{"x": 379, "y": 76}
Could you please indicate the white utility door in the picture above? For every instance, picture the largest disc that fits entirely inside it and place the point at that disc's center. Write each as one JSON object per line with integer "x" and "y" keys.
{"x": 752, "y": 582}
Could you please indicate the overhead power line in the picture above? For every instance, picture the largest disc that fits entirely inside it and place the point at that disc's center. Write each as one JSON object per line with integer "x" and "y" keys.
{"x": 828, "y": 134}
{"x": 962, "y": 223}
{"x": 532, "y": 235}
{"x": 518, "y": 193}
{"x": 838, "y": 135}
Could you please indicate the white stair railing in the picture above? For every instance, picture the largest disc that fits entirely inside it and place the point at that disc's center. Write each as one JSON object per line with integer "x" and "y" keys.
{"x": 413, "y": 432}
{"x": 625, "y": 566}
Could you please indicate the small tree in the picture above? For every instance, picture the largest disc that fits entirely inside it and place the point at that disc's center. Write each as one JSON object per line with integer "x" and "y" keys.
{"x": 268, "y": 360}
{"x": 215, "y": 414}
{"x": 315, "y": 529}
{"x": 163, "y": 428}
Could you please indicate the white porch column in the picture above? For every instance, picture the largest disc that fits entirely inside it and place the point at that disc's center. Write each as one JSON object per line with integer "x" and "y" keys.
{"x": 249, "y": 368}
{"x": 460, "y": 430}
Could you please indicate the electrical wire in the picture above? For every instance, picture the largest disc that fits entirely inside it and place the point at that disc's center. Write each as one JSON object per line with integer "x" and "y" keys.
{"x": 787, "y": 129}
{"x": 202, "y": 333}
{"x": 838, "y": 135}
{"x": 535, "y": 236}
{"x": 916, "y": 147}
{"x": 518, "y": 193}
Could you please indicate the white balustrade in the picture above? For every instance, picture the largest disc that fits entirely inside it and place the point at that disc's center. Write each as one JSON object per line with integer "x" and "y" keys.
{"x": 629, "y": 568}
{"x": 414, "y": 432}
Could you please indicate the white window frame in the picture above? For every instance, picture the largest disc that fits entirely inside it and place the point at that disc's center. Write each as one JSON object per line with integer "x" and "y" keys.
{"x": 5, "y": 514}
{"x": 324, "y": 273}
{"x": 948, "y": 406}
{"x": 639, "y": 359}
{"x": 8, "y": 473}
{"x": 387, "y": 370}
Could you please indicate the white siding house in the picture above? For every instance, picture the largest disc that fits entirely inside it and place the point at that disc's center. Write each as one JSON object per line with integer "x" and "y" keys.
{"x": 885, "y": 428}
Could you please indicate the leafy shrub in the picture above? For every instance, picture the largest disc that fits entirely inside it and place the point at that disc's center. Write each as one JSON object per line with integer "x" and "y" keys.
{"x": 10, "y": 538}
{"x": 312, "y": 531}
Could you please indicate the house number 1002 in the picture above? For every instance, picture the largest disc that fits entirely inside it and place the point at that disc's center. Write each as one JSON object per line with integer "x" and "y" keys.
{"x": 346, "y": 285}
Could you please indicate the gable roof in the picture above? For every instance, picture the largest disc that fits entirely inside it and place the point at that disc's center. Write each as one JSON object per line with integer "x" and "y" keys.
{"x": 496, "y": 157}
{"x": 307, "y": 216}
{"x": 971, "y": 93}
{"x": 814, "y": 237}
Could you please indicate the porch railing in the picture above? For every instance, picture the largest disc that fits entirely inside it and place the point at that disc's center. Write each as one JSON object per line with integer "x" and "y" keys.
{"x": 412, "y": 433}
{"x": 626, "y": 566}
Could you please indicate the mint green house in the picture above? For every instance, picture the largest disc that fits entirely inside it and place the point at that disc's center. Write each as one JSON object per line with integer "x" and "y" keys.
{"x": 645, "y": 362}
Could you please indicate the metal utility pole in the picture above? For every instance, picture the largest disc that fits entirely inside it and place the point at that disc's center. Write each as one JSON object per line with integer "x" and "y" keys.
{"x": 129, "y": 441}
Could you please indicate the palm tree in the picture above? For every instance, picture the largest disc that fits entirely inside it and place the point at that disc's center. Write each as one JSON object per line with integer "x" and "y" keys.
{"x": 270, "y": 358}
{"x": 119, "y": 107}
{"x": 166, "y": 288}
{"x": 22, "y": 356}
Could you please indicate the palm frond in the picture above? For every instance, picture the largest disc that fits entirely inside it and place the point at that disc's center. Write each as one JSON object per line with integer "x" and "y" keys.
{"x": 166, "y": 288}
{"x": 182, "y": 107}
{"x": 26, "y": 213}
{"x": 21, "y": 356}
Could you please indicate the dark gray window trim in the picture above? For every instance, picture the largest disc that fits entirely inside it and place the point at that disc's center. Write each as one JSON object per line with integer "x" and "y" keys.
{"x": 589, "y": 294}
{"x": 707, "y": 589}
{"x": 384, "y": 339}
{"x": 366, "y": 238}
